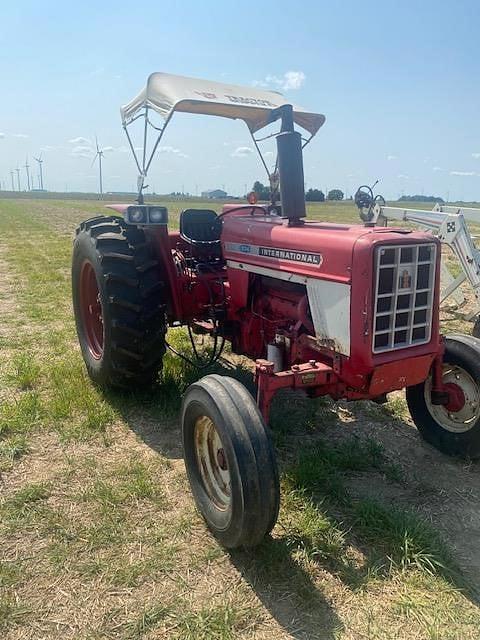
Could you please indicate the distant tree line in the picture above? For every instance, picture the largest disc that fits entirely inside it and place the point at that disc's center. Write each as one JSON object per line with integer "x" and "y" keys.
{"x": 418, "y": 198}
{"x": 312, "y": 195}
{"x": 262, "y": 191}
{"x": 315, "y": 195}
{"x": 335, "y": 194}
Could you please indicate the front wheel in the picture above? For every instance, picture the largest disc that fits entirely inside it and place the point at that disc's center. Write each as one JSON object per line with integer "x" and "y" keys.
{"x": 453, "y": 428}
{"x": 476, "y": 328}
{"x": 230, "y": 461}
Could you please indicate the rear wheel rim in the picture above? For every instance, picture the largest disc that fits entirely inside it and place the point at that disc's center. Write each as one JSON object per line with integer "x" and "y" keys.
{"x": 212, "y": 462}
{"x": 91, "y": 310}
{"x": 467, "y": 415}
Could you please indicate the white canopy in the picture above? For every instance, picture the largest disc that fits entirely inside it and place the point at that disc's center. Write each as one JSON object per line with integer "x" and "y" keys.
{"x": 166, "y": 93}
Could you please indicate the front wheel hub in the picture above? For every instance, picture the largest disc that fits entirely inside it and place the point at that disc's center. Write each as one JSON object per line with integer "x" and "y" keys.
{"x": 462, "y": 410}
{"x": 456, "y": 397}
{"x": 212, "y": 462}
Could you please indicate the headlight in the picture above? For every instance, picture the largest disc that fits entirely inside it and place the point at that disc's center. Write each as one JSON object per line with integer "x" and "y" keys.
{"x": 137, "y": 215}
{"x": 158, "y": 215}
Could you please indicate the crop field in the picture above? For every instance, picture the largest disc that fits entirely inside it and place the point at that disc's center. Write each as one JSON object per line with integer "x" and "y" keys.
{"x": 378, "y": 535}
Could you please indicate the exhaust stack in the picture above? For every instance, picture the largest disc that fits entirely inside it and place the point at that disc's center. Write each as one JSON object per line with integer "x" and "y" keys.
{"x": 290, "y": 166}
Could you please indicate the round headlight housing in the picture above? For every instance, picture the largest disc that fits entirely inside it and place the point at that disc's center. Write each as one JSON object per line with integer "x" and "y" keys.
{"x": 137, "y": 215}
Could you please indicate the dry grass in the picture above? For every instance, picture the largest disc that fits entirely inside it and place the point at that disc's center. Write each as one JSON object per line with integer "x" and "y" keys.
{"x": 377, "y": 536}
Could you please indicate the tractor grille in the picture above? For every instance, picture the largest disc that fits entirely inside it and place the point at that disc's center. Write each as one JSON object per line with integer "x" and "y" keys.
{"x": 404, "y": 289}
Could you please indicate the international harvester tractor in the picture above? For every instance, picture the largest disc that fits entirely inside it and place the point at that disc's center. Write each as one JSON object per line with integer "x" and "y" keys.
{"x": 346, "y": 311}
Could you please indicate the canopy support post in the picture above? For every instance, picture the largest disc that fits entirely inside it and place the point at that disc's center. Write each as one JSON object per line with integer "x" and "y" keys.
{"x": 132, "y": 148}
{"x": 157, "y": 143}
{"x": 145, "y": 131}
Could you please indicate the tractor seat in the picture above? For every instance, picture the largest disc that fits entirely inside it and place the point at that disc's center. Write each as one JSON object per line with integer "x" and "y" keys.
{"x": 200, "y": 226}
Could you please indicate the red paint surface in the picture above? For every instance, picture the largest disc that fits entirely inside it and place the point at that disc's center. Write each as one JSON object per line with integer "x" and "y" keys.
{"x": 257, "y": 309}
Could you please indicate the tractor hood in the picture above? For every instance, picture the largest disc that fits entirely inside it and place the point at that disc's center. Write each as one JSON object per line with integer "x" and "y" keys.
{"x": 315, "y": 249}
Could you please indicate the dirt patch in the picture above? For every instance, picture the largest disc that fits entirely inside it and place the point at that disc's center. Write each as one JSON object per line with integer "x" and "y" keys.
{"x": 444, "y": 490}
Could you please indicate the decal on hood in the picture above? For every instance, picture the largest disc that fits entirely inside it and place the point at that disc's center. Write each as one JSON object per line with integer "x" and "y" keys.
{"x": 276, "y": 253}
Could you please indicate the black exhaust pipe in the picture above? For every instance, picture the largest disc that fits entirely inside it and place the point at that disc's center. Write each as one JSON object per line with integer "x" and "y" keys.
{"x": 290, "y": 166}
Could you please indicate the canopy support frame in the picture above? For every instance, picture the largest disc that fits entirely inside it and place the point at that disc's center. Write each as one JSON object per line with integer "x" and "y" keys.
{"x": 144, "y": 167}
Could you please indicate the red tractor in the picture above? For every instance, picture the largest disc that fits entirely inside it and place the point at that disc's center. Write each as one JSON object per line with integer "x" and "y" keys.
{"x": 348, "y": 311}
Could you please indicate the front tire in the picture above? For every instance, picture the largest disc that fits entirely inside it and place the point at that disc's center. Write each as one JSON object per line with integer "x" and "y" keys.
{"x": 476, "y": 328}
{"x": 118, "y": 303}
{"x": 454, "y": 428}
{"x": 230, "y": 461}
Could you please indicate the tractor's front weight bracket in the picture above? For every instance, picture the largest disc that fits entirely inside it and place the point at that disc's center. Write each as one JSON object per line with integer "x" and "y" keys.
{"x": 439, "y": 393}
{"x": 308, "y": 375}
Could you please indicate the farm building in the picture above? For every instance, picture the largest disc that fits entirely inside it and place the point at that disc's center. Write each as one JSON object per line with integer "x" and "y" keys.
{"x": 214, "y": 193}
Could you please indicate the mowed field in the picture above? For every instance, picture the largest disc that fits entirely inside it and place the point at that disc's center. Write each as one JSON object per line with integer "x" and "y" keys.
{"x": 378, "y": 535}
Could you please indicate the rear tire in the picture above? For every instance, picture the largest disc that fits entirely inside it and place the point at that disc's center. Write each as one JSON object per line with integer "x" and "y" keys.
{"x": 454, "y": 430}
{"x": 230, "y": 461}
{"x": 118, "y": 301}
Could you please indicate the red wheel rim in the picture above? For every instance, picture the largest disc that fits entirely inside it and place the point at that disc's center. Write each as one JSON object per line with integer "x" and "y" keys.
{"x": 91, "y": 310}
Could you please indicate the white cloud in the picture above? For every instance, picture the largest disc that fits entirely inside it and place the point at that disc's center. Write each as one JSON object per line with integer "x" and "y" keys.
{"x": 268, "y": 154}
{"x": 20, "y": 135}
{"x": 82, "y": 151}
{"x": 437, "y": 169}
{"x": 172, "y": 150}
{"x": 242, "y": 152}
{"x": 168, "y": 150}
{"x": 476, "y": 156}
{"x": 293, "y": 80}
{"x": 80, "y": 140}
{"x": 402, "y": 176}
{"x": 2, "y": 135}
{"x": 290, "y": 80}
{"x": 123, "y": 149}
{"x": 463, "y": 173}
{"x": 108, "y": 149}
{"x": 391, "y": 157}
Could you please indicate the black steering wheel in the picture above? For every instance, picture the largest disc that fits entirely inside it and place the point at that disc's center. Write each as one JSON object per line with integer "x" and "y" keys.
{"x": 364, "y": 197}
{"x": 366, "y": 201}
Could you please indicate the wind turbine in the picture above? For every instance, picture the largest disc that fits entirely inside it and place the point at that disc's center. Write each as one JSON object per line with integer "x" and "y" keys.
{"x": 40, "y": 176}
{"x": 27, "y": 167}
{"x": 18, "y": 178}
{"x": 99, "y": 155}
{"x": 12, "y": 173}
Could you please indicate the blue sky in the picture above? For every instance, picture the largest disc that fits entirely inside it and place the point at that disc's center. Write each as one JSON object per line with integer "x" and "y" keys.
{"x": 397, "y": 81}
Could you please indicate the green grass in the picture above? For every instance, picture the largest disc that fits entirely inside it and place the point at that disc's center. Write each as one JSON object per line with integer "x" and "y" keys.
{"x": 20, "y": 415}
{"x": 219, "y": 622}
{"x": 26, "y": 371}
{"x": 392, "y": 537}
{"x": 96, "y": 502}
